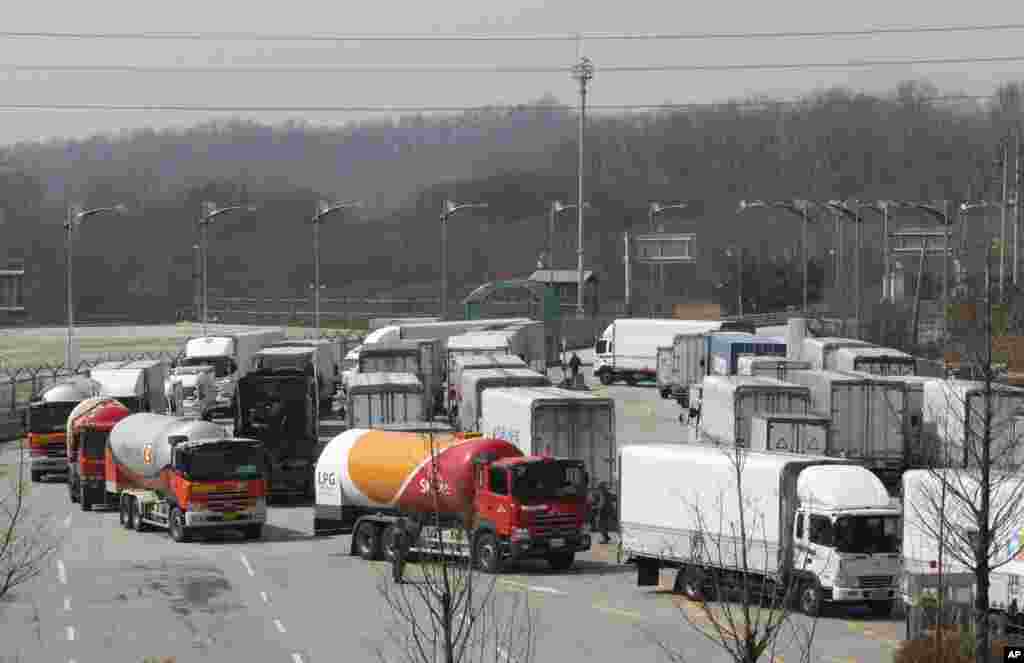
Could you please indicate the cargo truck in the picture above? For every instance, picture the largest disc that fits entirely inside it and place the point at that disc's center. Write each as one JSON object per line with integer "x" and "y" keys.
{"x": 322, "y": 354}
{"x": 919, "y": 455}
{"x": 868, "y": 416}
{"x": 88, "y": 430}
{"x": 481, "y": 497}
{"x": 790, "y": 433}
{"x": 725, "y": 349}
{"x": 376, "y": 399}
{"x": 555, "y": 421}
{"x": 821, "y": 530}
{"x": 770, "y": 367}
{"x": 138, "y": 385}
{"x": 953, "y": 422}
{"x": 476, "y": 381}
{"x": 819, "y": 350}
{"x": 279, "y": 408}
{"x": 46, "y": 424}
{"x": 231, "y": 356}
{"x": 470, "y": 362}
{"x": 628, "y": 348}
{"x": 422, "y": 357}
{"x": 689, "y": 358}
{"x": 184, "y": 475}
{"x": 877, "y": 361}
{"x": 666, "y": 375}
{"x": 728, "y": 402}
{"x": 194, "y": 391}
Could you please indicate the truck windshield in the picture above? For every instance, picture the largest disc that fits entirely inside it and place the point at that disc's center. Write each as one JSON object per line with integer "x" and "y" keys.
{"x": 222, "y": 366}
{"x": 222, "y": 463}
{"x": 49, "y": 417}
{"x": 867, "y": 534}
{"x": 94, "y": 443}
{"x": 549, "y": 479}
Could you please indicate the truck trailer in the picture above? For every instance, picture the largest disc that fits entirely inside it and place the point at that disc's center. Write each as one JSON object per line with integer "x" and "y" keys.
{"x": 689, "y": 361}
{"x": 777, "y": 368}
{"x": 184, "y": 475}
{"x": 877, "y": 361}
{"x": 628, "y": 348}
{"x": 479, "y": 498}
{"x": 791, "y": 433}
{"x": 819, "y": 350}
{"x": 377, "y": 399}
{"x": 231, "y": 356}
{"x": 476, "y": 381}
{"x": 953, "y": 422}
{"x": 821, "y": 529}
{"x": 46, "y": 424}
{"x": 726, "y": 348}
{"x": 88, "y": 431}
{"x": 728, "y": 402}
{"x": 421, "y": 357}
{"x": 470, "y": 362}
{"x": 138, "y": 385}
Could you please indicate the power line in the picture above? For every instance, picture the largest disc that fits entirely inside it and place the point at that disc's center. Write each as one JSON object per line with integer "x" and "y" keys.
{"x": 621, "y": 36}
{"x": 494, "y": 69}
{"x": 437, "y": 109}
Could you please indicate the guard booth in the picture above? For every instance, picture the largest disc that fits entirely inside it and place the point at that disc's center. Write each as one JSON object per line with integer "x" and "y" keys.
{"x": 545, "y": 305}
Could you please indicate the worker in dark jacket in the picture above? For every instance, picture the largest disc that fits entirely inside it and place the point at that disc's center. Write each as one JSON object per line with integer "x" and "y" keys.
{"x": 603, "y": 510}
{"x": 401, "y": 552}
{"x": 574, "y": 366}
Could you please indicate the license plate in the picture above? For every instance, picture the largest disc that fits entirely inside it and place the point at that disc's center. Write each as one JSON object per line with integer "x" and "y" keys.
{"x": 557, "y": 543}
{"x": 879, "y": 594}
{"x": 232, "y": 516}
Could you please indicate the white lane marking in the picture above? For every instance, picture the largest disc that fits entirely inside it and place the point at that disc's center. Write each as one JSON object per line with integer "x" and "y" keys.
{"x": 279, "y": 625}
{"x": 245, "y": 563}
{"x": 533, "y": 588}
{"x": 67, "y": 521}
{"x": 67, "y": 604}
{"x": 296, "y": 658}
{"x": 70, "y": 632}
{"x": 62, "y": 573}
{"x": 263, "y": 595}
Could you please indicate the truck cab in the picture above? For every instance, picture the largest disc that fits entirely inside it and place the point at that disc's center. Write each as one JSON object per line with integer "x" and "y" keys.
{"x": 89, "y": 427}
{"x": 317, "y": 354}
{"x": 46, "y": 423}
{"x": 219, "y": 353}
{"x": 198, "y": 393}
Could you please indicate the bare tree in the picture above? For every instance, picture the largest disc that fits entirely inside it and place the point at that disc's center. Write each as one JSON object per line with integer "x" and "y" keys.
{"x": 973, "y": 507}
{"x": 743, "y": 606}
{"x": 26, "y": 542}
{"x": 448, "y": 611}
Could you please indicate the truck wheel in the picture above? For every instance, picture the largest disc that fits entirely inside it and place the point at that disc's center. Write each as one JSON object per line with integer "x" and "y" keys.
{"x": 37, "y": 476}
{"x": 606, "y": 378}
{"x": 252, "y": 532}
{"x": 691, "y": 580}
{"x": 388, "y": 543}
{"x": 664, "y": 393}
{"x": 631, "y": 380}
{"x": 176, "y": 527}
{"x": 561, "y": 561}
{"x": 84, "y": 498}
{"x": 125, "y": 513}
{"x": 488, "y": 557}
{"x": 882, "y": 608}
{"x": 137, "y": 517}
{"x": 72, "y": 493}
{"x": 368, "y": 541}
{"x": 811, "y": 599}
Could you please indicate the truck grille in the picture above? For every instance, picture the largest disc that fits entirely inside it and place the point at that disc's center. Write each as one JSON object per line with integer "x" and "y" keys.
{"x": 875, "y": 582}
{"x": 227, "y": 502}
{"x": 547, "y": 524}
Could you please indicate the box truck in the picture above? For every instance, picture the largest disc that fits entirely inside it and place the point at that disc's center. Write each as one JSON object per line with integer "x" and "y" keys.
{"x": 476, "y": 381}
{"x": 422, "y": 357}
{"x": 689, "y": 361}
{"x": 790, "y": 433}
{"x": 770, "y": 367}
{"x": 725, "y": 349}
{"x": 953, "y": 425}
{"x": 868, "y": 417}
{"x": 517, "y": 506}
{"x": 463, "y": 363}
{"x": 138, "y": 385}
{"x": 231, "y": 356}
{"x": 376, "y": 399}
{"x": 877, "y": 361}
{"x": 628, "y": 348}
{"x": 554, "y": 421}
{"x": 727, "y": 402}
{"x": 819, "y": 350}
{"x": 822, "y": 530}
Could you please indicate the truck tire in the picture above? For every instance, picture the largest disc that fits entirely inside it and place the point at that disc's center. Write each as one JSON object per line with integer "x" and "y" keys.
{"x": 367, "y": 541}
{"x": 811, "y": 598}
{"x": 84, "y": 498}
{"x": 665, "y": 393}
{"x": 882, "y": 608}
{"x": 631, "y": 380}
{"x": 487, "y": 554}
{"x": 137, "y": 517}
{"x": 388, "y": 543}
{"x": 176, "y": 527}
{"x": 252, "y": 532}
{"x": 605, "y": 378}
{"x": 561, "y": 561}
{"x": 124, "y": 512}
{"x": 691, "y": 581}
{"x": 37, "y": 476}
{"x": 72, "y": 493}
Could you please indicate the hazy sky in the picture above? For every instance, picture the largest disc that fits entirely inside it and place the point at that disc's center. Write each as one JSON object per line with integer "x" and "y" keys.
{"x": 478, "y": 16}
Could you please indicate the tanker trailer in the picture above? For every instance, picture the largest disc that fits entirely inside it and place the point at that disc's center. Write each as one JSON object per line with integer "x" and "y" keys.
{"x": 182, "y": 475}
{"x": 478, "y": 497}
{"x": 89, "y": 426}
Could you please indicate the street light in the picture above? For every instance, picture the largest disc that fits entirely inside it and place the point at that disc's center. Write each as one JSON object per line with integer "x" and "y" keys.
{"x": 211, "y": 212}
{"x": 798, "y": 207}
{"x": 448, "y": 210}
{"x": 75, "y": 216}
{"x": 654, "y": 209}
{"x": 556, "y": 208}
{"x": 323, "y": 208}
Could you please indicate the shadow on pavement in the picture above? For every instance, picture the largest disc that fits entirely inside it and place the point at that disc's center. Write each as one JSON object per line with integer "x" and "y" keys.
{"x": 582, "y": 567}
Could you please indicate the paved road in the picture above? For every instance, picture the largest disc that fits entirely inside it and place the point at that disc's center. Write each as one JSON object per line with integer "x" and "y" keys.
{"x": 111, "y": 594}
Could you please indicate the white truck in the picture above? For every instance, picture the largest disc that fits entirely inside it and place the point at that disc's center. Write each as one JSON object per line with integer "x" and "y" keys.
{"x": 790, "y": 433}
{"x": 476, "y": 381}
{"x": 770, "y": 367}
{"x": 877, "y": 361}
{"x": 470, "y": 362}
{"x": 727, "y": 403}
{"x": 822, "y": 528}
{"x": 231, "y": 356}
{"x": 474, "y": 343}
{"x": 922, "y": 518}
{"x": 690, "y": 357}
{"x": 422, "y": 357}
{"x": 868, "y": 417}
{"x": 556, "y": 422}
{"x": 628, "y": 348}
{"x": 193, "y": 391}
{"x": 138, "y": 385}
{"x": 378, "y": 399}
{"x": 918, "y": 455}
{"x": 819, "y": 350}
{"x": 531, "y": 341}
{"x": 953, "y": 422}
{"x": 323, "y": 353}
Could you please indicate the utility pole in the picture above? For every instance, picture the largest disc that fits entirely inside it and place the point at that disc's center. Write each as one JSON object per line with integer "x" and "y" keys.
{"x": 1016, "y": 206}
{"x": 629, "y": 307}
{"x": 1002, "y": 255}
{"x": 582, "y": 72}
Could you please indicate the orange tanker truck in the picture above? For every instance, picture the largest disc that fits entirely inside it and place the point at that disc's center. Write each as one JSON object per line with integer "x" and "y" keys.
{"x": 492, "y": 502}
{"x": 183, "y": 475}
{"x": 46, "y": 422}
{"x": 88, "y": 429}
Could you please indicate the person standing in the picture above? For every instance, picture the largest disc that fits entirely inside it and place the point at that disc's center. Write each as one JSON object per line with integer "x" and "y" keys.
{"x": 401, "y": 551}
{"x": 604, "y": 509}
{"x": 574, "y": 366}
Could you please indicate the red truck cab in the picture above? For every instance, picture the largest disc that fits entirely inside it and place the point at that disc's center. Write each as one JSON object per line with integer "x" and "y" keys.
{"x": 86, "y": 453}
{"x": 530, "y": 507}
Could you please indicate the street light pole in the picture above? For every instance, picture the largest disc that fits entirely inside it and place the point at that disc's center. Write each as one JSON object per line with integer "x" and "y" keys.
{"x": 799, "y": 207}
{"x": 322, "y": 210}
{"x": 653, "y": 209}
{"x": 211, "y": 212}
{"x": 447, "y": 210}
{"x": 582, "y": 72}
{"x": 556, "y": 207}
{"x": 75, "y": 217}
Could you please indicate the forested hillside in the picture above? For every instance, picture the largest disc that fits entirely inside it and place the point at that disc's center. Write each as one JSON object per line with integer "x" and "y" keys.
{"x": 836, "y": 144}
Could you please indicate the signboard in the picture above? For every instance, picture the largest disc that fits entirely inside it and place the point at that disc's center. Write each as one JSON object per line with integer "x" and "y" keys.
{"x": 697, "y": 311}
{"x": 666, "y": 248}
